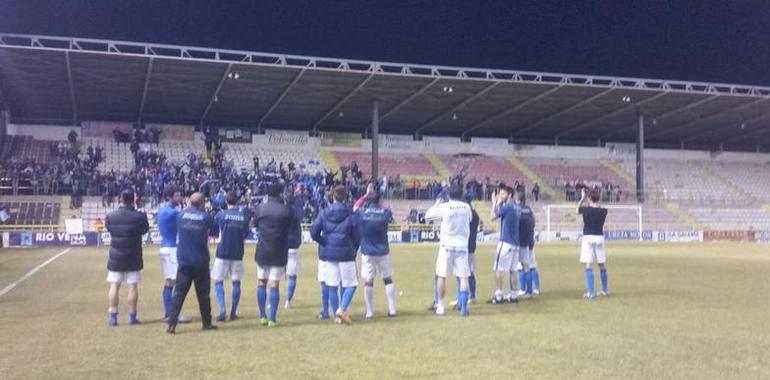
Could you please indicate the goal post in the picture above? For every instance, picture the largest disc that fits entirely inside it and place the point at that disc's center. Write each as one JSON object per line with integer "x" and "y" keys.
{"x": 562, "y": 219}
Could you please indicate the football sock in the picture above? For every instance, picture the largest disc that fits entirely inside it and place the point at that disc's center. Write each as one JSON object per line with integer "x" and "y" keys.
{"x": 261, "y": 299}
{"x": 347, "y": 296}
{"x": 334, "y": 298}
{"x": 113, "y": 319}
{"x": 132, "y": 318}
{"x": 275, "y": 297}
{"x": 219, "y": 291}
{"x": 590, "y": 281}
{"x": 291, "y": 288}
{"x": 472, "y": 285}
{"x": 324, "y": 299}
{"x": 390, "y": 292}
{"x": 535, "y": 278}
{"x": 522, "y": 280}
{"x": 236, "y": 298}
{"x": 463, "y": 299}
{"x": 457, "y": 296}
{"x": 603, "y": 275}
{"x": 369, "y": 298}
{"x": 167, "y": 291}
{"x": 435, "y": 290}
{"x": 527, "y": 282}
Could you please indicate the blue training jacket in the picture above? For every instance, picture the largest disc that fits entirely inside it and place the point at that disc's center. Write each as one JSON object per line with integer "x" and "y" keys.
{"x": 510, "y": 215}
{"x": 336, "y": 233}
{"x": 233, "y": 226}
{"x": 527, "y": 227}
{"x": 167, "y": 218}
{"x": 372, "y": 225}
{"x": 295, "y": 227}
{"x": 195, "y": 227}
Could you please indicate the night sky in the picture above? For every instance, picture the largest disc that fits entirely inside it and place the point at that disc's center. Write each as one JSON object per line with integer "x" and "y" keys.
{"x": 702, "y": 40}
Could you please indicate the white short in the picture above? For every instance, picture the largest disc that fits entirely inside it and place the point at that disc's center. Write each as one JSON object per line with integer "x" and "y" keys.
{"x": 293, "y": 266}
{"x": 592, "y": 250}
{"x": 224, "y": 269}
{"x": 532, "y": 262}
{"x": 271, "y": 273}
{"x": 321, "y": 271}
{"x": 371, "y": 265}
{"x": 168, "y": 263}
{"x": 127, "y": 277}
{"x": 454, "y": 258}
{"x": 506, "y": 258}
{"x": 345, "y": 272}
{"x": 472, "y": 262}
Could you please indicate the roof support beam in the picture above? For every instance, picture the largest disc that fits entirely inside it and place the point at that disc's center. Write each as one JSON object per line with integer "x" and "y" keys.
{"x": 727, "y": 128}
{"x": 71, "y": 88}
{"x": 280, "y": 98}
{"x": 509, "y": 111}
{"x": 341, "y": 102}
{"x": 564, "y": 111}
{"x": 409, "y": 99}
{"x": 618, "y": 111}
{"x": 215, "y": 94}
{"x": 752, "y": 133}
{"x": 457, "y": 107}
{"x": 664, "y": 115}
{"x": 685, "y": 125}
{"x": 147, "y": 75}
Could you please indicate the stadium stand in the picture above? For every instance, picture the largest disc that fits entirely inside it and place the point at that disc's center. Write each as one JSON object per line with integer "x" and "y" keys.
{"x": 733, "y": 218}
{"x": 482, "y": 167}
{"x": 22, "y": 211}
{"x": 406, "y": 165}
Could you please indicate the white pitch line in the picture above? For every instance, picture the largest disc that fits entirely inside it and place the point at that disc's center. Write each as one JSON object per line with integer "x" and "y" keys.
{"x": 32, "y": 272}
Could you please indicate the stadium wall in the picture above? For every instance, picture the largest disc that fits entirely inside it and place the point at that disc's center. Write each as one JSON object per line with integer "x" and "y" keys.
{"x": 42, "y": 132}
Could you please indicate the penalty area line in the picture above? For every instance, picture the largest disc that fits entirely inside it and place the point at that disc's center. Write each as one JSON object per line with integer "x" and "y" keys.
{"x": 32, "y": 272}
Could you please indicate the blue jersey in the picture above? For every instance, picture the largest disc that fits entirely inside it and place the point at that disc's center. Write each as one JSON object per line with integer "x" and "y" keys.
{"x": 167, "y": 225}
{"x": 527, "y": 227}
{"x": 510, "y": 215}
{"x": 373, "y": 228}
{"x": 195, "y": 227}
{"x": 233, "y": 226}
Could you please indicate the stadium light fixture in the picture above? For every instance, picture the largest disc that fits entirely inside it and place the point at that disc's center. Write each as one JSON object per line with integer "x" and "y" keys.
{"x": 626, "y": 99}
{"x": 233, "y": 75}
{"x": 454, "y": 116}
{"x": 341, "y": 114}
{"x": 448, "y": 89}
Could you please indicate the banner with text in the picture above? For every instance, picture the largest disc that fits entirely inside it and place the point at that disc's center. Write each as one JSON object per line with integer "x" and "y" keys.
{"x": 278, "y": 138}
{"x": 340, "y": 139}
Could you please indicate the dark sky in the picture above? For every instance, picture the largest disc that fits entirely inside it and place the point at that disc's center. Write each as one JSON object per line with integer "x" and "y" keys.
{"x": 707, "y": 40}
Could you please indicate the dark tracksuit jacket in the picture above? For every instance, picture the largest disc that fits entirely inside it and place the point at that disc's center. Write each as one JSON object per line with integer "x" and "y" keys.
{"x": 195, "y": 226}
{"x": 273, "y": 220}
{"x": 126, "y": 227}
{"x": 336, "y": 233}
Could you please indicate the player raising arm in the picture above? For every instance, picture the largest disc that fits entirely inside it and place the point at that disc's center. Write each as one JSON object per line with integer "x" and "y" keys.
{"x": 592, "y": 250}
{"x": 455, "y": 216}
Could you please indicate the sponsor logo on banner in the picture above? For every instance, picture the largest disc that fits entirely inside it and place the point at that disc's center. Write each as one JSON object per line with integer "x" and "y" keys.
{"x": 394, "y": 236}
{"x": 58, "y": 239}
{"x": 286, "y": 138}
{"x": 397, "y": 142}
{"x": 234, "y": 135}
{"x": 351, "y": 140}
{"x": 430, "y": 236}
{"x": 728, "y": 235}
{"x": 677, "y": 236}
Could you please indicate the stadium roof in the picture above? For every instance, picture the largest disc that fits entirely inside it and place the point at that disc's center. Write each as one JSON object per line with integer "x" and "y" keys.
{"x": 68, "y": 80}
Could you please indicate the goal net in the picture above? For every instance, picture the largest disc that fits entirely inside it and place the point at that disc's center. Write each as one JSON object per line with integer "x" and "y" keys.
{"x": 563, "y": 223}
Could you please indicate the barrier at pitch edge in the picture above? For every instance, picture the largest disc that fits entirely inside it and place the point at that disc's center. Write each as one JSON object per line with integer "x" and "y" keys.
{"x": 52, "y": 239}
{"x": 632, "y": 235}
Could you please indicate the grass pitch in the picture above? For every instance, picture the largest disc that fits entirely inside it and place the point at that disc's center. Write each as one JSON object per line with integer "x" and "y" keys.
{"x": 697, "y": 311}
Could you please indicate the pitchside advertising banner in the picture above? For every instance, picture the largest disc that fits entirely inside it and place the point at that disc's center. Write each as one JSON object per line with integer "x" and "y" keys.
{"x": 52, "y": 239}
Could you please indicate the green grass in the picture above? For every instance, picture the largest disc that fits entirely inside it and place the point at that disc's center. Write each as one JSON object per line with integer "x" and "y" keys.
{"x": 696, "y": 311}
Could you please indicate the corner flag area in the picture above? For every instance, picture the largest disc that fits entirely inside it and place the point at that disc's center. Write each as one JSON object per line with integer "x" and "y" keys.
{"x": 676, "y": 311}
